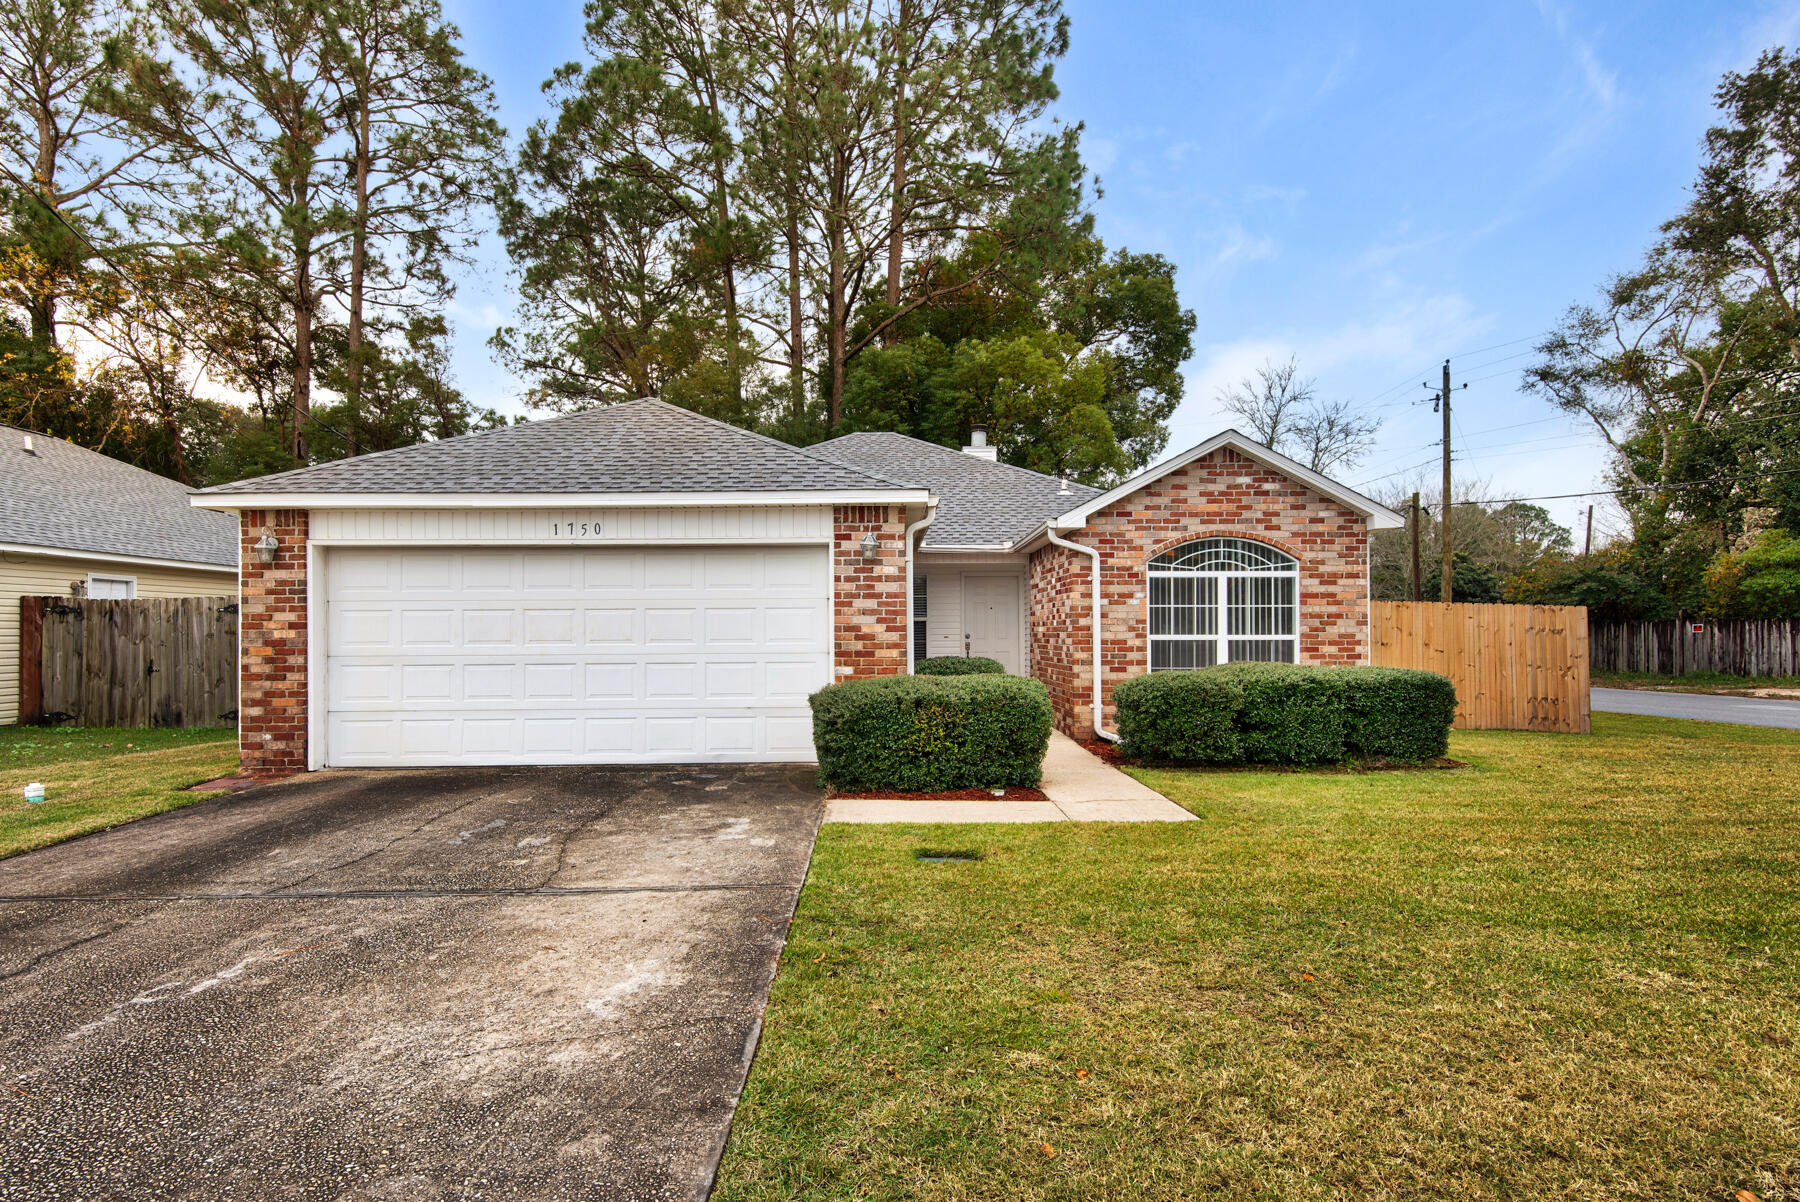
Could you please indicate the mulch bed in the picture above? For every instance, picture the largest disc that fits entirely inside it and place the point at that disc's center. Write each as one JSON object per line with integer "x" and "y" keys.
{"x": 1118, "y": 759}
{"x": 1012, "y": 793}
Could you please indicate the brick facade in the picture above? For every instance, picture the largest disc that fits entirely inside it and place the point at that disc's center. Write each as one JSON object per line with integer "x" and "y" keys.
{"x": 272, "y": 644}
{"x": 869, "y": 622}
{"x": 1226, "y": 495}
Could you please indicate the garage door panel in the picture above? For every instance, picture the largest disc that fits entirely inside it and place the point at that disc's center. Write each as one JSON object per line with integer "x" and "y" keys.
{"x": 610, "y": 627}
{"x": 494, "y": 656}
{"x": 427, "y": 573}
{"x": 673, "y": 572}
{"x": 550, "y": 628}
{"x": 423, "y": 682}
{"x": 611, "y": 682}
{"x": 496, "y": 574}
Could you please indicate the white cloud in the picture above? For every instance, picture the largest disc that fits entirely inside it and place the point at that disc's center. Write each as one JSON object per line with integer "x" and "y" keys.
{"x": 1602, "y": 82}
{"x": 1401, "y": 332}
{"x": 1240, "y": 246}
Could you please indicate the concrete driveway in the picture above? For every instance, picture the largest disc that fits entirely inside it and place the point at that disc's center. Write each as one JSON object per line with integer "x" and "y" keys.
{"x": 469, "y": 984}
{"x": 1702, "y": 707}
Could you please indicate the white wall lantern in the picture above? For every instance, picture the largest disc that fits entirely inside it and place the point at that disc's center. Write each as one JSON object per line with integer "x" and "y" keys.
{"x": 265, "y": 548}
{"x": 869, "y": 546}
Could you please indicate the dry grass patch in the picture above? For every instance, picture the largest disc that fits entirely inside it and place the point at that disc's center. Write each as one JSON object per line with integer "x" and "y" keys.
{"x": 96, "y": 778}
{"x": 1566, "y": 971}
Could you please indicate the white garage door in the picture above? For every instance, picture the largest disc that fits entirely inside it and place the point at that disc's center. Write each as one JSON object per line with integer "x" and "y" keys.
{"x": 551, "y": 656}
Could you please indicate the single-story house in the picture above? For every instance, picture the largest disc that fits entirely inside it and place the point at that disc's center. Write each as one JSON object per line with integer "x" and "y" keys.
{"x": 76, "y": 522}
{"x": 641, "y": 584}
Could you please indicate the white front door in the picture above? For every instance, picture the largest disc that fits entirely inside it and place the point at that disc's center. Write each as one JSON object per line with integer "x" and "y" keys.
{"x": 991, "y": 619}
{"x": 558, "y": 656}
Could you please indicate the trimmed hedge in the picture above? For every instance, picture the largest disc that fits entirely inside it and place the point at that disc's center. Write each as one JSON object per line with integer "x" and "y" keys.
{"x": 959, "y": 665}
{"x": 932, "y": 733}
{"x": 1285, "y": 714}
{"x": 1397, "y": 713}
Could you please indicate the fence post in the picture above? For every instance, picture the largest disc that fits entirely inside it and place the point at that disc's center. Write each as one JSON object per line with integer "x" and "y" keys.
{"x": 31, "y": 659}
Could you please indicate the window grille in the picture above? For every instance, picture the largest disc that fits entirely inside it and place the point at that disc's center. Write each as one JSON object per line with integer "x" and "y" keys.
{"x": 1223, "y": 600}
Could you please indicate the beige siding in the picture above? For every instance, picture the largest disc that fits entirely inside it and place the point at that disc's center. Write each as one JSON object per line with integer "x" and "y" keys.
{"x": 49, "y": 576}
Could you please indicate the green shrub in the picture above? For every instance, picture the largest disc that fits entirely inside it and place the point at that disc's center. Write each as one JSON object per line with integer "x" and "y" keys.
{"x": 1179, "y": 717}
{"x": 932, "y": 733}
{"x": 1284, "y": 714}
{"x": 1290, "y": 715}
{"x": 1397, "y": 713}
{"x": 959, "y": 665}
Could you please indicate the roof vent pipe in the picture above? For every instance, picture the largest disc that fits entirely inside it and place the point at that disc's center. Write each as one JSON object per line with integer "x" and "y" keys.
{"x": 30, "y": 449}
{"x": 978, "y": 445}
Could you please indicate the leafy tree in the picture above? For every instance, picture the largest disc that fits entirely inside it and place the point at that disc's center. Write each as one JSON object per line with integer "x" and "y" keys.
{"x": 1470, "y": 580}
{"x": 611, "y": 305}
{"x": 1609, "y": 583}
{"x": 1285, "y": 413}
{"x": 251, "y": 98}
{"x": 420, "y": 140}
{"x": 1075, "y": 372}
{"x": 1760, "y": 581}
{"x": 782, "y": 183}
{"x": 1689, "y": 364}
{"x": 74, "y": 173}
{"x": 1496, "y": 540}
{"x": 407, "y": 396}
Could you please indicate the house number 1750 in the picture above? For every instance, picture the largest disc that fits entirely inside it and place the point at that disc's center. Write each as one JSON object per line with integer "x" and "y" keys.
{"x": 574, "y": 529}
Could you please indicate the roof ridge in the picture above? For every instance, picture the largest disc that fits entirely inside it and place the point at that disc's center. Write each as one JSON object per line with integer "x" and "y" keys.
{"x": 938, "y": 446}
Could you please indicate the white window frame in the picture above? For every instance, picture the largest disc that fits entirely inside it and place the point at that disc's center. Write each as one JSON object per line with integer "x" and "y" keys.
{"x": 130, "y": 583}
{"x": 1256, "y": 562}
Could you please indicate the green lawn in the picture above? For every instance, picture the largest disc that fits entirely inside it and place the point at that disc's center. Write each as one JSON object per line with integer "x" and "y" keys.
{"x": 96, "y": 778}
{"x": 1693, "y": 682}
{"x": 1566, "y": 971}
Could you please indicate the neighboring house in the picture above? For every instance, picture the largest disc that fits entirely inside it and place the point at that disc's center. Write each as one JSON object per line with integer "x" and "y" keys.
{"x": 76, "y": 521}
{"x": 640, "y": 584}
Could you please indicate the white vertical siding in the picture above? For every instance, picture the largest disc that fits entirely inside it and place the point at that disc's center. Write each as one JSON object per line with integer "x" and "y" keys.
{"x": 725, "y": 523}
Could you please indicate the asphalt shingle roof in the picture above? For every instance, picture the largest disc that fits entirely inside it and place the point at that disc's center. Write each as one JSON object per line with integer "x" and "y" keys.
{"x": 70, "y": 498}
{"x": 980, "y": 503}
{"x": 642, "y": 446}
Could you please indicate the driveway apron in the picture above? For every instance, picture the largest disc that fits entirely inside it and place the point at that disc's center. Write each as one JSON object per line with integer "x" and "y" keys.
{"x": 470, "y": 984}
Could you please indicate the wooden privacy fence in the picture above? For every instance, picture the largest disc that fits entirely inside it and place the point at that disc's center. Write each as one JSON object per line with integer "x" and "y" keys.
{"x": 150, "y": 662}
{"x": 1736, "y": 647}
{"x": 1516, "y": 667}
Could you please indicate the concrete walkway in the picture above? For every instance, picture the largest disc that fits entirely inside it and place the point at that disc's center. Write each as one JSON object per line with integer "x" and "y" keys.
{"x": 1081, "y": 787}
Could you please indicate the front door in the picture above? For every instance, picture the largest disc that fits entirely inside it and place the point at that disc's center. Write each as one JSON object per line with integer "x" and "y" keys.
{"x": 991, "y": 619}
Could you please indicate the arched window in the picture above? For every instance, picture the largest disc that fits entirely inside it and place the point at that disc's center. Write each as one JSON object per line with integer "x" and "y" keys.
{"x": 1220, "y": 600}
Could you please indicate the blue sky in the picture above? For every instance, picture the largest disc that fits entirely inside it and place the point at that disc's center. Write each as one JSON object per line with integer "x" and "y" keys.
{"x": 1367, "y": 187}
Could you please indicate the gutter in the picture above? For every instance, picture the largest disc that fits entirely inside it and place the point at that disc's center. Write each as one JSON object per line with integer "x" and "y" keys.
{"x": 921, "y": 524}
{"x": 1092, "y": 553}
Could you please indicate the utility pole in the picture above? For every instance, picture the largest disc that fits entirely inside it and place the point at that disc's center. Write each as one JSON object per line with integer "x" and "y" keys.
{"x": 1444, "y": 507}
{"x": 1418, "y": 585}
{"x": 1589, "y": 549}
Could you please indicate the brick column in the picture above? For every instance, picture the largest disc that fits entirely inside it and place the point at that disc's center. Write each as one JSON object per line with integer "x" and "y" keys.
{"x": 272, "y": 644}
{"x": 869, "y": 625}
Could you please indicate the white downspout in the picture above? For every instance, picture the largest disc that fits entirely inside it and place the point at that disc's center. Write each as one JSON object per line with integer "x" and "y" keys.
{"x": 1092, "y": 553}
{"x": 922, "y": 523}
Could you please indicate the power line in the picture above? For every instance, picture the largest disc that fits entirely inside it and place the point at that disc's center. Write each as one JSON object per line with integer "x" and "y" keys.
{"x": 1497, "y": 346}
{"x": 1643, "y": 488}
